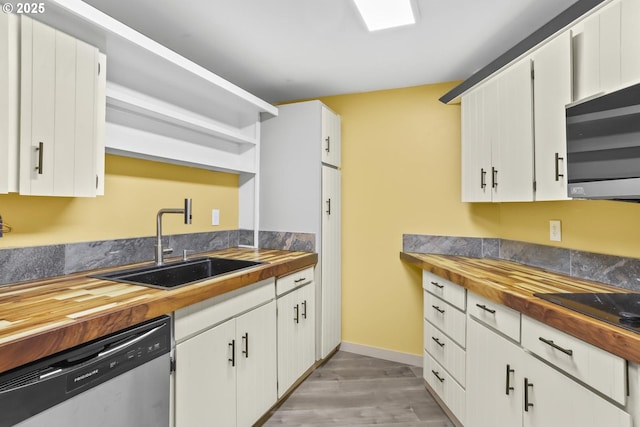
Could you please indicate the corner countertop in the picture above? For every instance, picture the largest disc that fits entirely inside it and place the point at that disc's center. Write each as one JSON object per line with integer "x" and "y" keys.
{"x": 514, "y": 284}
{"x": 42, "y": 317}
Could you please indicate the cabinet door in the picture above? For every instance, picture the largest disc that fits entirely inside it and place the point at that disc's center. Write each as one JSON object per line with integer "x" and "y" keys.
{"x": 554, "y": 399}
{"x": 630, "y": 42}
{"x": 9, "y": 35}
{"x": 494, "y": 371}
{"x": 552, "y": 91}
{"x": 476, "y": 148}
{"x": 288, "y": 340}
{"x": 296, "y": 335}
{"x": 331, "y": 270}
{"x": 610, "y": 53}
{"x": 59, "y": 82}
{"x": 512, "y": 156}
{"x": 256, "y": 363}
{"x": 307, "y": 347}
{"x": 331, "y": 139}
{"x": 597, "y": 52}
{"x": 206, "y": 378}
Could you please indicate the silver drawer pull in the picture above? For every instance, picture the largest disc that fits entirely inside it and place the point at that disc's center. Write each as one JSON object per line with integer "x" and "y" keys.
{"x": 437, "y": 285}
{"x": 556, "y": 346}
{"x": 484, "y": 307}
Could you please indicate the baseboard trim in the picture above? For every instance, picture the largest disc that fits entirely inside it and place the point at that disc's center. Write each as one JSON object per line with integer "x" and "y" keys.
{"x": 382, "y": 353}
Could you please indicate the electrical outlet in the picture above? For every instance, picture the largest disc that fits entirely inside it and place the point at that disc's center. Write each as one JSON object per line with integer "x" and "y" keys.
{"x": 215, "y": 217}
{"x": 555, "y": 231}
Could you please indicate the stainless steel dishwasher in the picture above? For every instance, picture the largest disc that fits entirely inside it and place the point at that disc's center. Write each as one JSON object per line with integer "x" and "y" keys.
{"x": 121, "y": 380}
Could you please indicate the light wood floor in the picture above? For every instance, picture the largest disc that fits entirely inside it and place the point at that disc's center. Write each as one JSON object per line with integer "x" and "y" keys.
{"x": 354, "y": 390}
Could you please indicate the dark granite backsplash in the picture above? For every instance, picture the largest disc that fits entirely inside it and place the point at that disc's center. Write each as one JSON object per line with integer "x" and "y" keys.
{"x": 38, "y": 262}
{"x": 613, "y": 270}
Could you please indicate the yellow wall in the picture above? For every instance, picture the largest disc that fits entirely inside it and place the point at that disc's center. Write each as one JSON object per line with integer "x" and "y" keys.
{"x": 401, "y": 174}
{"x": 134, "y": 192}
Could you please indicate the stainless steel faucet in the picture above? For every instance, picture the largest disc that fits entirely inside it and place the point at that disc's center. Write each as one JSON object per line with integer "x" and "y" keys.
{"x": 187, "y": 220}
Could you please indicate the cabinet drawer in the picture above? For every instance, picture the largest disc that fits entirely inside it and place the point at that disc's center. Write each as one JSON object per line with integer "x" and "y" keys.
{"x": 497, "y": 316}
{"x": 451, "y": 393}
{"x": 287, "y": 283}
{"x": 450, "y": 292}
{"x": 450, "y": 355}
{"x": 198, "y": 317}
{"x": 595, "y": 367}
{"x": 445, "y": 317}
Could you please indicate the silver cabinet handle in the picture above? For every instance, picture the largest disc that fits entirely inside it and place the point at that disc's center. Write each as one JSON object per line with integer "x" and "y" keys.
{"x": 40, "y": 150}
{"x": 484, "y": 307}
{"x": 245, "y": 338}
{"x": 437, "y": 285}
{"x": 556, "y": 346}
{"x": 232, "y": 359}
{"x": 558, "y": 174}
{"x": 527, "y": 405}
{"x": 328, "y": 149}
{"x": 508, "y": 386}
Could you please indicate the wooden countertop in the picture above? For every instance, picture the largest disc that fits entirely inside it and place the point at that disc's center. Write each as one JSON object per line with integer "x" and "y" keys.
{"x": 514, "y": 284}
{"x": 42, "y": 317}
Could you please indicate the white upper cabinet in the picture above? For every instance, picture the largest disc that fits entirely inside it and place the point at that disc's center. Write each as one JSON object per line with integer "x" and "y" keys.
{"x": 330, "y": 137}
{"x": 630, "y": 42}
{"x": 497, "y": 138}
{"x": 552, "y": 92}
{"x": 606, "y": 48}
{"x": 513, "y": 174}
{"x": 476, "y": 148}
{"x": 59, "y": 115}
{"x": 9, "y": 92}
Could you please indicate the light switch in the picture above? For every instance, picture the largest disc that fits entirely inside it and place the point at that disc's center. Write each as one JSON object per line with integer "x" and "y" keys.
{"x": 215, "y": 217}
{"x": 555, "y": 231}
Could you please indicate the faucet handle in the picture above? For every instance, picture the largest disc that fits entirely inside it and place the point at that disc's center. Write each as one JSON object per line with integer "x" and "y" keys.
{"x": 184, "y": 253}
{"x": 167, "y": 250}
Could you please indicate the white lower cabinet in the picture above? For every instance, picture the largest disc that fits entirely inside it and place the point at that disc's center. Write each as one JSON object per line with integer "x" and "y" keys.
{"x": 296, "y": 329}
{"x": 226, "y": 367}
{"x": 444, "y": 341}
{"x": 507, "y": 386}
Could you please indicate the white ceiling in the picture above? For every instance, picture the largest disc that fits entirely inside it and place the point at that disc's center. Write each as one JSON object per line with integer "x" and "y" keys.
{"x": 282, "y": 50}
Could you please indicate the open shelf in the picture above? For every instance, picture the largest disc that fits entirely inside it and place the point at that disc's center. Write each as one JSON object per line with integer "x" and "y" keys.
{"x": 195, "y": 116}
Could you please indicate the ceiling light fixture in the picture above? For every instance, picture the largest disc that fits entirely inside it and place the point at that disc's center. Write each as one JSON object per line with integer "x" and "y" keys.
{"x": 382, "y": 14}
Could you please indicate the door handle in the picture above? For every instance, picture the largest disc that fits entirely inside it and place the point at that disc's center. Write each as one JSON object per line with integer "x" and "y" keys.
{"x": 232, "y": 344}
{"x": 527, "y": 404}
{"x": 508, "y": 387}
{"x": 245, "y": 338}
{"x": 304, "y": 306}
{"x": 328, "y": 149}
{"x": 40, "y": 150}
{"x": 296, "y": 310}
{"x": 328, "y": 211}
{"x": 558, "y": 174}
{"x": 483, "y": 176}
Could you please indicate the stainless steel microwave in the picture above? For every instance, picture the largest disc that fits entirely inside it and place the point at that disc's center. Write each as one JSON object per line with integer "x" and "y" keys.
{"x": 603, "y": 146}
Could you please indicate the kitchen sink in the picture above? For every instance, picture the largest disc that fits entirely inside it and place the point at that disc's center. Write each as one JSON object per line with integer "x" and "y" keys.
{"x": 177, "y": 274}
